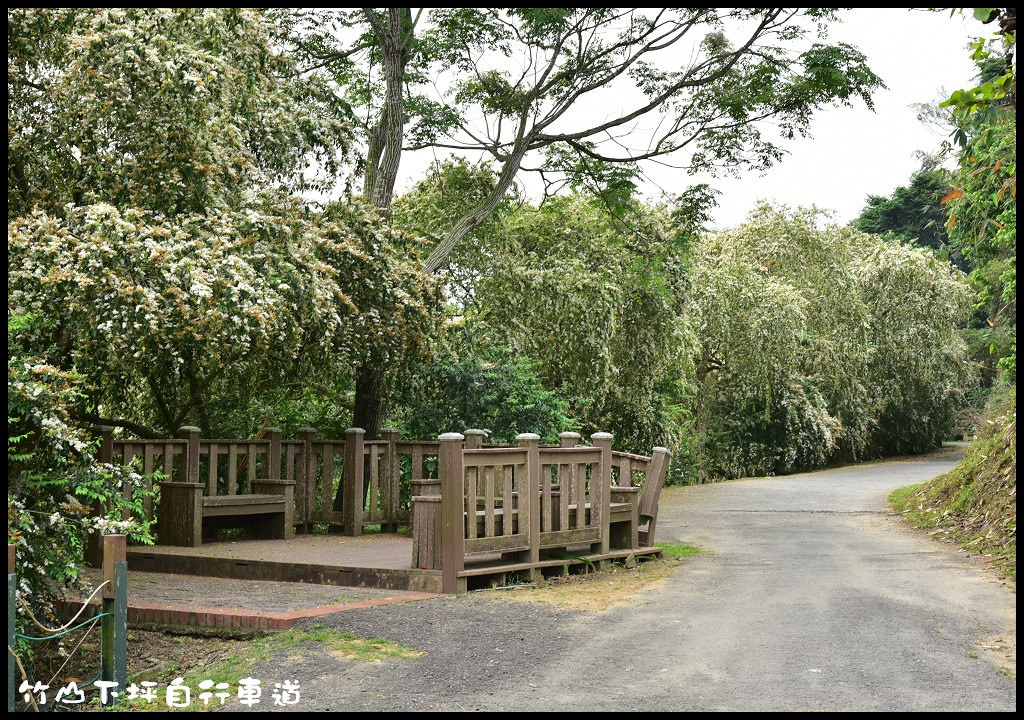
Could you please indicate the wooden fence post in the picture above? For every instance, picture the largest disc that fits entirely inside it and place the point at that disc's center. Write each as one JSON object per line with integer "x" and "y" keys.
{"x": 567, "y": 473}
{"x": 352, "y": 483}
{"x": 474, "y": 439}
{"x": 531, "y": 488}
{"x": 453, "y": 508}
{"x": 94, "y": 543}
{"x": 114, "y": 625}
{"x": 274, "y": 454}
{"x": 392, "y": 482}
{"x": 191, "y": 466}
{"x": 12, "y": 606}
{"x": 602, "y": 482}
{"x": 305, "y": 479}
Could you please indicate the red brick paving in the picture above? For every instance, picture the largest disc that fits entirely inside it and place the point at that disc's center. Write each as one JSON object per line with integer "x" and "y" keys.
{"x": 234, "y": 618}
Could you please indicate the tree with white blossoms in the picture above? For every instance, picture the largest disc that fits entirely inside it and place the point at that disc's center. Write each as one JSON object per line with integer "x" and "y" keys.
{"x": 163, "y": 269}
{"x": 200, "y": 315}
{"x": 597, "y": 300}
{"x": 820, "y": 343}
{"x": 693, "y": 87}
{"x": 153, "y": 233}
{"x": 53, "y": 478}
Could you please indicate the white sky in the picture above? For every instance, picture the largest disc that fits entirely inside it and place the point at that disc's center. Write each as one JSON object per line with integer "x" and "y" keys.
{"x": 852, "y": 152}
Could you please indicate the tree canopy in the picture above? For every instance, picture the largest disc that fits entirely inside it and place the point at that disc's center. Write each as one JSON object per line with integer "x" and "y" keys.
{"x": 507, "y": 83}
{"x": 154, "y": 234}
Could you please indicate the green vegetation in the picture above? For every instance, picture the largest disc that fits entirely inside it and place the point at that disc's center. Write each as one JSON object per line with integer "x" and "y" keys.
{"x": 203, "y": 229}
{"x": 242, "y": 660}
{"x": 975, "y": 504}
{"x": 913, "y": 214}
{"x": 680, "y": 551}
{"x": 821, "y": 344}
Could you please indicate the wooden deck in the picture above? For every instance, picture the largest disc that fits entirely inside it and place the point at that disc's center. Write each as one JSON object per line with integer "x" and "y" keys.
{"x": 371, "y": 561}
{"x": 492, "y": 514}
{"x": 377, "y": 561}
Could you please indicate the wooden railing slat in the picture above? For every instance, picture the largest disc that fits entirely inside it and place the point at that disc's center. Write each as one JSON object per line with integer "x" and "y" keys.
{"x": 489, "y": 501}
{"x": 506, "y": 494}
{"x": 374, "y": 500}
{"x": 327, "y": 483}
{"x": 232, "y": 469}
{"x": 211, "y": 479}
{"x": 470, "y": 485}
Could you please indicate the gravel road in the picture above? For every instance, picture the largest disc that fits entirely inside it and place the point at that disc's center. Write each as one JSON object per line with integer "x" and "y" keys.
{"x": 814, "y": 596}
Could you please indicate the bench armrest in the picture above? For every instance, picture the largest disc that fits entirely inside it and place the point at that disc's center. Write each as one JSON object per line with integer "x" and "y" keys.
{"x": 626, "y": 495}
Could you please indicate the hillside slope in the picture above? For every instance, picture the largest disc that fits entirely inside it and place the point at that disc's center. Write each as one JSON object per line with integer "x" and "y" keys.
{"x": 975, "y": 504}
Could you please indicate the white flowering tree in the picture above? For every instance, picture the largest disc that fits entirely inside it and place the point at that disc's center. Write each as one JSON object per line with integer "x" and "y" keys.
{"x": 153, "y": 233}
{"x": 598, "y": 301}
{"x": 163, "y": 267}
{"x": 820, "y": 343}
{"x": 54, "y": 478}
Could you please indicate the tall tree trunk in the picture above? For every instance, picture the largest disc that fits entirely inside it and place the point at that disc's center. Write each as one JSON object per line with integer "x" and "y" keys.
{"x": 384, "y": 154}
{"x": 371, "y": 397}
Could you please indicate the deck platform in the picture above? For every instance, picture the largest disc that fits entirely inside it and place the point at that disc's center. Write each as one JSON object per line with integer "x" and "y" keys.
{"x": 375, "y": 561}
{"x": 371, "y": 561}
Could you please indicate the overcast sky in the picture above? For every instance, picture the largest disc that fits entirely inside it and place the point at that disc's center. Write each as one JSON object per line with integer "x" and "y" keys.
{"x": 852, "y": 152}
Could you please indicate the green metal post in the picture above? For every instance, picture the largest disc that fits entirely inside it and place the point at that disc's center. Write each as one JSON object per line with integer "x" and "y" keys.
{"x": 12, "y": 606}
{"x": 114, "y": 627}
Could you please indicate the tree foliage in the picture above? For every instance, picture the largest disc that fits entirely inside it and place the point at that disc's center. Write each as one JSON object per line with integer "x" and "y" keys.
{"x": 507, "y": 82}
{"x": 597, "y": 301}
{"x": 982, "y": 206}
{"x": 498, "y": 392}
{"x": 913, "y": 214}
{"x": 171, "y": 111}
{"x": 163, "y": 268}
{"x": 53, "y": 477}
{"x": 199, "y": 316}
{"x": 821, "y": 344}
{"x": 153, "y": 159}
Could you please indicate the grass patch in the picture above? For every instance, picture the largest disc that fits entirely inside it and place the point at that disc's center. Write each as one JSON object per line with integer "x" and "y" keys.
{"x": 599, "y": 591}
{"x": 680, "y": 551}
{"x": 352, "y": 647}
{"x": 975, "y": 504}
{"x": 239, "y": 662}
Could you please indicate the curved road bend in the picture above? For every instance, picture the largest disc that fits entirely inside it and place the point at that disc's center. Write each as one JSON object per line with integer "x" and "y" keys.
{"x": 816, "y": 597}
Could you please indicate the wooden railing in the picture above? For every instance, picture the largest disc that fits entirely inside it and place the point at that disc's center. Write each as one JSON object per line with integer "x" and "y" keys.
{"x": 467, "y": 502}
{"x": 322, "y": 470}
{"x": 511, "y": 506}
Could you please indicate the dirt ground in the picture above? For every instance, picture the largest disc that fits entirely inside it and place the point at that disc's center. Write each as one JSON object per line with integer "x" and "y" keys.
{"x": 147, "y": 588}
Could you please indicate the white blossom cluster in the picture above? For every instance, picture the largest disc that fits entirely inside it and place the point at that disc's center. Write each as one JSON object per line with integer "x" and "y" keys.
{"x": 820, "y": 343}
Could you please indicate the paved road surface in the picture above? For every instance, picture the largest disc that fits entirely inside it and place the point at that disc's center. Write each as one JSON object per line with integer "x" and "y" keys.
{"x": 816, "y": 597}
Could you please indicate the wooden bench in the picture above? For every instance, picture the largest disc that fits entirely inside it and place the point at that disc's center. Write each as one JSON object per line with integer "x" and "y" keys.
{"x": 187, "y": 516}
{"x": 650, "y": 494}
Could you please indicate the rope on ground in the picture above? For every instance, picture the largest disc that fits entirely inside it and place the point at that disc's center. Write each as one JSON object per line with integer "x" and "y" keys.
{"x": 72, "y": 620}
{"x": 24, "y": 676}
{"x": 74, "y": 650}
{"x": 94, "y": 618}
